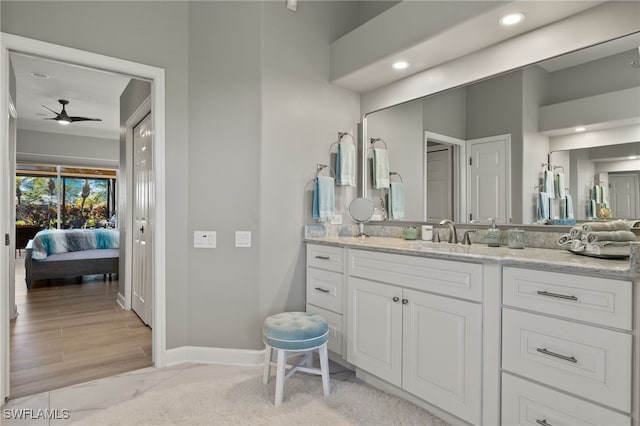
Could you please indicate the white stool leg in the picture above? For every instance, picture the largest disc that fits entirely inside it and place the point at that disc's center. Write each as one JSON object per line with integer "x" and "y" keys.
{"x": 280, "y": 375}
{"x": 267, "y": 365}
{"x": 324, "y": 368}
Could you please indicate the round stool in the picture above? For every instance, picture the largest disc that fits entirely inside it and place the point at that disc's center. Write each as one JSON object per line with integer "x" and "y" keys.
{"x": 290, "y": 333}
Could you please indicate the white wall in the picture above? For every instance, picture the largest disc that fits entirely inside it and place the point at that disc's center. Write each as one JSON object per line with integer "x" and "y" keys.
{"x": 68, "y": 150}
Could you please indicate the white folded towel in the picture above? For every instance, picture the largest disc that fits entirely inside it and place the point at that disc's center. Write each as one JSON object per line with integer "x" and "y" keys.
{"x": 346, "y": 164}
{"x": 380, "y": 168}
{"x": 548, "y": 184}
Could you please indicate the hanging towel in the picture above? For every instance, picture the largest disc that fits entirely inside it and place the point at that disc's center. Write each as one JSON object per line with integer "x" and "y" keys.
{"x": 324, "y": 199}
{"x": 380, "y": 168}
{"x": 548, "y": 185}
{"x": 559, "y": 181}
{"x": 604, "y": 198}
{"x": 569, "y": 202}
{"x": 396, "y": 200}
{"x": 615, "y": 225}
{"x": 346, "y": 164}
{"x": 543, "y": 206}
{"x": 592, "y": 208}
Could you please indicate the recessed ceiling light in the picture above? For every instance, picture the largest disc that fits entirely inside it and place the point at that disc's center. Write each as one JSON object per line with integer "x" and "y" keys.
{"x": 633, "y": 157}
{"x": 580, "y": 129}
{"x": 39, "y": 75}
{"x": 400, "y": 65}
{"x": 511, "y": 19}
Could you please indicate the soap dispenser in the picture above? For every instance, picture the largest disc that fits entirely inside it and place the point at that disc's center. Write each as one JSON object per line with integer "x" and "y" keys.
{"x": 493, "y": 235}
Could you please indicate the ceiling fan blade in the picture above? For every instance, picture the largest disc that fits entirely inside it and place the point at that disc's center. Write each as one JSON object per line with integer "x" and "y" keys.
{"x": 47, "y": 108}
{"x": 52, "y": 118}
{"x": 73, "y": 119}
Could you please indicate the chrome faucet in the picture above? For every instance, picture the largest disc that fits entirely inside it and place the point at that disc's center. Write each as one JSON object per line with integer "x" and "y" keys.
{"x": 453, "y": 234}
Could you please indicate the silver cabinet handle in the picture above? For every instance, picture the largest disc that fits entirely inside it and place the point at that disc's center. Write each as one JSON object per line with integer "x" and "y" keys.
{"x": 324, "y": 290}
{"x": 564, "y": 357}
{"x": 559, "y": 296}
{"x": 396, "y": 299}
{"x": 323, "y": 257}
{"x": 543, "y": 422}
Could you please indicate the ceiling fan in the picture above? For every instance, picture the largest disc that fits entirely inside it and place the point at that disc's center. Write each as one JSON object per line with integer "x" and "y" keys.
{"x": 63, "y": 118}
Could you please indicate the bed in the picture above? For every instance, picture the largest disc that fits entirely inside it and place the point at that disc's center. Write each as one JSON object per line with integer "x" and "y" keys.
{"x": 63, "y": 253}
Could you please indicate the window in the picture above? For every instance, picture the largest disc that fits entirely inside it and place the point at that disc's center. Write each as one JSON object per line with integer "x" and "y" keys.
{"x": 70, "y": 198}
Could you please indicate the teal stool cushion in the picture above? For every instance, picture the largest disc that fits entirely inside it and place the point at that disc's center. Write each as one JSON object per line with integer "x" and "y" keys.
{"x": 295, "y": 330}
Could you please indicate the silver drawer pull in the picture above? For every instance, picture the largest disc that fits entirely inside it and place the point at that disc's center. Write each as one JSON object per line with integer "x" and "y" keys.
{"x": 564, "y": 357}
{"x": 559, "y": 296}
{"x": 543, "y": 422}
{"x": 323, "y": 257}
{"x": 324, "y": 290}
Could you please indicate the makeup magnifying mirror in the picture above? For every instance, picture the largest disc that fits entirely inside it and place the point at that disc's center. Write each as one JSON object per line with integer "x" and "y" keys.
{"x": 361, "y": 210}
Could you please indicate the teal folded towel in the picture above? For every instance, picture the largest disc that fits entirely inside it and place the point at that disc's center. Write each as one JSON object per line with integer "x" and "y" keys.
{"x": 324, "y": 199}
{"x": 346, "y": 164}
{"x": 543, "y": 206}
{"x": 396, "y": 200}
{"x": 380, "y": 168}
{"x": 548, "y": 184}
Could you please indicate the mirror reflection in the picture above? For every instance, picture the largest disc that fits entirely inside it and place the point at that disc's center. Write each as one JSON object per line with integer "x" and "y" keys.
{"x": 480, "y": 151}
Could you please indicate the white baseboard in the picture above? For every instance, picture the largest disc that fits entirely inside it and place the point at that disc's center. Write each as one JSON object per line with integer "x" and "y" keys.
{"x": 121, "y": 301}
{"x": 221, "y": 356}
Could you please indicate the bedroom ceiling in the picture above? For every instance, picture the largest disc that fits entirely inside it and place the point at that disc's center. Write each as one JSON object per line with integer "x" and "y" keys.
{"x": 91, "y": 93}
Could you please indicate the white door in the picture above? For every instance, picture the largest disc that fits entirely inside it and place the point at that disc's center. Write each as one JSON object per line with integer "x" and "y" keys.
{"x": 141, "y": 289}
{"x": 374, "y": 316}
{"x": 624, "y": 195}
{"x": 489, "y": 183}
{"x": 442, "y": 340}
{"x": 439, "y": 183}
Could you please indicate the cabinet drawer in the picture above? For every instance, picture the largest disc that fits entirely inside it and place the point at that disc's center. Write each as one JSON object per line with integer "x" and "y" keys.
{"x": 324, "y": 289}
{"x": 526, "y": 403}
{"x": 336, "y": 335}
{"x": 325, "y": 257}
{"x": 597, "y": 300}
{"x": 456, "y": 279}
{"x": 580, "y": 359}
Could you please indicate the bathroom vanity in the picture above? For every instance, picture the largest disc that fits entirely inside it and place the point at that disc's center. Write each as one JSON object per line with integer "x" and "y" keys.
{"x": 484, "y": 335}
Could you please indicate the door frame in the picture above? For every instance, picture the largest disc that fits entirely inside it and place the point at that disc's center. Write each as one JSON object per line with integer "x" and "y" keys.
{"x": 140, "y": 112}
{"x": 507, "y": 186}
{"x": 459, "y": 173}
{"x": 11, "y": 42}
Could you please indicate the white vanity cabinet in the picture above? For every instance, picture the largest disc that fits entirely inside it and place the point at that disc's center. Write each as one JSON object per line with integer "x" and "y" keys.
{"x": 568, "y": 338}
{"x": 402, "y": 331}
{"x": 325, "y": 290}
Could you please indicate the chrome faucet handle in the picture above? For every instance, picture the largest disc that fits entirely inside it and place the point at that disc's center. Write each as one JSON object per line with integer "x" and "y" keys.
{"x": 436, "y": 236}
{"x": 466, "y": 240}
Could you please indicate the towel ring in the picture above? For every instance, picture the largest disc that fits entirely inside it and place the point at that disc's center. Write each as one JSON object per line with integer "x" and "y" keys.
{"x": 396, "y": 174}
{"x": 374, "y": 140}
{"x": 544, "y": 166}
{"x": 320, "y": 167}
{"x": 559, "y": 167}
{"x": 340, "y": 136}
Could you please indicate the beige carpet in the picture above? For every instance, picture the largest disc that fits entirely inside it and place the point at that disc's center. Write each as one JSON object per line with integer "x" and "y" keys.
{"x": 242, "y": 399}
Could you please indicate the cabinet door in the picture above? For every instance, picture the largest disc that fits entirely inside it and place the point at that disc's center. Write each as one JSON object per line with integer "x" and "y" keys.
{"x": 442, "y": 352}
{"x": 374, "y": 319}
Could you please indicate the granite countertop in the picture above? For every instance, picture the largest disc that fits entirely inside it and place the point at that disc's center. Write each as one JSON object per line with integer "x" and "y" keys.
{"x": 558, "y": 260}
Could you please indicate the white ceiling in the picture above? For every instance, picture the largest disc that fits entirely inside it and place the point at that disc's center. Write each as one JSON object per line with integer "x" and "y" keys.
{"x": 91, "y": 93}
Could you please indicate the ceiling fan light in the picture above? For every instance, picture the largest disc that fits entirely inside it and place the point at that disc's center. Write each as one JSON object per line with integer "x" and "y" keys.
{"x": 64, "y": 122}
{"x": 512, "y": 19}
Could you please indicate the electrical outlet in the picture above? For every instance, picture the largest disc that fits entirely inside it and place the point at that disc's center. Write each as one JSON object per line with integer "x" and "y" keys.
{"x": 204, "y": 239}
{"x": 243, "y": 238}
{"x": 292, "y": 5}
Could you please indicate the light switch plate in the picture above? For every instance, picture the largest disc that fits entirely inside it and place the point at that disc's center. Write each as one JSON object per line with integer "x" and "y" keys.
{"x": 243, "y": 238}
{"x": 204, "y": 239}
{"x": 337, "y": 219}
{"x": 292, "y": 5}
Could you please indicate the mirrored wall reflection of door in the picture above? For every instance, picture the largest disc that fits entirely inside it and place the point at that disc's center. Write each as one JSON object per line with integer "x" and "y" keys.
{"x": 439, "y": 196}
{"x": 624, "y": 194}
{"x": 141, "y": 283}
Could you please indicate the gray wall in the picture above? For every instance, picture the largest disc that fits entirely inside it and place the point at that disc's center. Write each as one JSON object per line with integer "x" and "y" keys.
{"x": 494, "y": 107}
{"x": 249, "y": 112}
{"x": 445, "y": 113}
{"x": 58, "y": 148}
{"x": 150, "y": 33}
{"x": 371, "y": 9}
{"x": 130, "y": 100}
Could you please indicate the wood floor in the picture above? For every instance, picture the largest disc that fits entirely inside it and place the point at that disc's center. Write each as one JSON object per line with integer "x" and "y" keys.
{"x": 68, "y": 333}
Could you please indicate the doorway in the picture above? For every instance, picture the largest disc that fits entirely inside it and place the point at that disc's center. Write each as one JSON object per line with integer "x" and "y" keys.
{"x": 156, "y": 76}
{"x": 625, "y": 195}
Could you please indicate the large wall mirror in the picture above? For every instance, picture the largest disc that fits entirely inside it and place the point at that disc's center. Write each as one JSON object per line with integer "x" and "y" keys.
{"x": 480, "y": 150}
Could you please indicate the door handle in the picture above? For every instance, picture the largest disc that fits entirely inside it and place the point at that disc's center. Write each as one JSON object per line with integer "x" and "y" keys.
{"x": 142, "y": 229}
